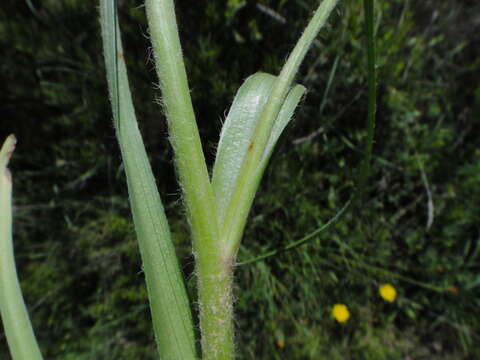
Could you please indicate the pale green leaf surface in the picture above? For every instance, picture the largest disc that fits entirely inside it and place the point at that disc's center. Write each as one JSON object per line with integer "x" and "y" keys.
{"x": 169, "y": 303}
{"x": 16, "y": 322}
{"x": 245, "y": 187}
{"x": 238, "y": 130}
{"x": 365, "y": 166}
{"x": 284, "y": 116}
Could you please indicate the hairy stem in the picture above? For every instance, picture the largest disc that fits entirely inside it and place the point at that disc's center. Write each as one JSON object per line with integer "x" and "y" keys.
{"x": 216, "y": 309}
{"x": 214, "y": 274}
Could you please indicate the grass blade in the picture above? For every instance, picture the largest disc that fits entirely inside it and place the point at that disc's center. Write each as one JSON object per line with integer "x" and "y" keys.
{"x": 169, "y": 303}
{"x": 368, "y": 6}
{"x": 307, "y": 238}
{"x": 16, "y": 322}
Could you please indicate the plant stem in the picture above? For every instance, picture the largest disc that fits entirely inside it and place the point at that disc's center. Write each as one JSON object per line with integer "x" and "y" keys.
{"x": 16, "y": 322}
{"x": 216, "y": 310}
{"x": 184, "y": 136}
{"x": 214, "y": 269}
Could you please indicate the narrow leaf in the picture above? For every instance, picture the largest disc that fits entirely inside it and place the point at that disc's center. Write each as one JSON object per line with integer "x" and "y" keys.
{"x": 246, "y": 185}
{"x": 169, "y": 304}
{"x": 238, "y": 131}
{"x": 364, "y": 172}
{"x": 284, "y": 116}
{"x": 16, "y": 322}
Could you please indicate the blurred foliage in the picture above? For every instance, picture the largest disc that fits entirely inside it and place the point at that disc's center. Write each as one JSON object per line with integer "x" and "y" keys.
{"x": 75, "y": 245}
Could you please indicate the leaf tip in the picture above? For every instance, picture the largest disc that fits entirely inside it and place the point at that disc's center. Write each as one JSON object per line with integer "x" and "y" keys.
{"x": 7, "y": 149}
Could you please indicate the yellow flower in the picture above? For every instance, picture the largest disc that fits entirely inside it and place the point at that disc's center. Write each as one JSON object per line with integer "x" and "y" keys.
{"x": 340, "y": 313}
{"x": 388, "y": 292}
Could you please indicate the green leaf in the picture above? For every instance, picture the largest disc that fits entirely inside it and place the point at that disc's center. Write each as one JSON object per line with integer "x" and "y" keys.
{"x": 16, "y": 322}
{"x": 169, "y": 304}
{"x": 238, "y": 131}
{"x": 284, "y": 116}
{"x": 246, "y": 185}
{"x": 365, "y": 165}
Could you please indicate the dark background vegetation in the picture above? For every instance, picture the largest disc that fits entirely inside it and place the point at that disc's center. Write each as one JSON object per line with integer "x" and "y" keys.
{"x": 74, "y": 240}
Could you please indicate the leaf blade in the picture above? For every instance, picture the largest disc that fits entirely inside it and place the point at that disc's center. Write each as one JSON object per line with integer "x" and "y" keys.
{"x": 284, "y": 117}
{"x": 16, "y": 322}
{"x": 169, "y": 303}
{"x": 238, "y": 132}
{"x": 244, "y": 191}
